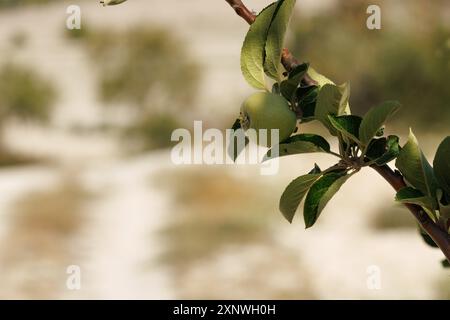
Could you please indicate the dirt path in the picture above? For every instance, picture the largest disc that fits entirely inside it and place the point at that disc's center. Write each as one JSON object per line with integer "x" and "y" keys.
{"x": 121, "y": 240}
{"x": 16, "y": 182}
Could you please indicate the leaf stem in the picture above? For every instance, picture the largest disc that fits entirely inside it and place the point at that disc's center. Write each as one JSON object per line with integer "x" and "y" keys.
{"x": 336, "y": 154}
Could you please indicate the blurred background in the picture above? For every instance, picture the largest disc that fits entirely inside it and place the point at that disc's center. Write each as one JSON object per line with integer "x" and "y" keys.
{"x": 86, "y": 177}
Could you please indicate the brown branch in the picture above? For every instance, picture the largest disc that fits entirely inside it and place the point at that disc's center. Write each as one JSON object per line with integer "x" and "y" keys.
{"x": 439, "y": 236}
{"x": 395, "y": 179}
{"x": 242, "y": 10}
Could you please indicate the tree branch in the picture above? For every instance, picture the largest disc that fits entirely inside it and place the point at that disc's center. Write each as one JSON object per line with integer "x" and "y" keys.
{"x": 242, "y": 10}
{"x": 439, "y": 236}
{"x": 395, "y": 179}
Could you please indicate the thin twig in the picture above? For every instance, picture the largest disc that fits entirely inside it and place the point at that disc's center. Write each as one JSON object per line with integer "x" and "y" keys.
{"x": 336, "y": 154}
{"x": 439, "y": 236}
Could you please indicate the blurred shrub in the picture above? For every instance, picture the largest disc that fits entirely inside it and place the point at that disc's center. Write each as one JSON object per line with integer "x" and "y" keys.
{"x": 443, "y": 287}
{"x": 76, "y": 34}
{"x": 17, "y": 3}
{"x": 407, "y": 60}
{"x": 145, "y": 66}
{"x": 153, "y": 131}
{"x": 19, "y": 39}
{"x": 389, "y": 218}
{"x": 10, "y": 158}
{"x": 24, "y": 94}
{"x": 42, "y": 229}
{"x": 149, "y": 69}
{"x": 51, "y": 213}
{"x": 208, "y": 236}
{"x": 200, "y": 212}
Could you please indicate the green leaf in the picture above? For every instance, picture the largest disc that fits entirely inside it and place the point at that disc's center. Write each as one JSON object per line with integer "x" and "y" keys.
{"x": 343, "y": 107}
{"x": 276, "y": 88}
{"x": 445, "y": 263}
{"x": 305, "y": 99}
{"x": 238, "y": 140}
{"x": 288, "y": 87}
{"x": 305, "y": 92}
{"x": 320, "y": 79}
{"x": 298, "y": 72}
{"x": 415, "y": 168}
{"x": 383, "y": 150}
{"x": 441, "y": 165}
{"x": 275, "y": 38}
{"x": 297, "y": 144}
{"x": 331, "y": 100}
{"x": 414, "y": 196}
{"x": 375, "y": 119}
{"x": 320, "y": 193}
{"x": 347, "y": 125}
{"x": 253, "y": 49}
{"x": 294, "y": 193}
{"x": 316, "y": 169}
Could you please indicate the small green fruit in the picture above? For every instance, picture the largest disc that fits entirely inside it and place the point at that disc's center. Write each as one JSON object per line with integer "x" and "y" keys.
{"x": 268, "y": 111}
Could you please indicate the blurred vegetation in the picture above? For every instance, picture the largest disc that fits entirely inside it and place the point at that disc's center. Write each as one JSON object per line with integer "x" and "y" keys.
{"x": 12, "y": 158}
{"x": 146, "y": 66}
{"x": 17, "y": 3}
{"x": 19, "y": 39}
{"x": 153, "y": 131}
{"x": 393, "y": 217}
{"x": 24, "y": 96}
{"x": 443, "y": 287}
{"x": 42, "y": 227}
{"x": 52, "y": 213}
{"x": 200, "y": 213}
{"x": 407, "y": 60}
{"x": 149, "y": 69}
{"x": 75, "y": 34}
{"x": 207, "y": 235}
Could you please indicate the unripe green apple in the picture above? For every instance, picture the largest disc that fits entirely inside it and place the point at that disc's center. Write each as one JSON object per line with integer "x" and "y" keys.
{"x": 268, "y": 111}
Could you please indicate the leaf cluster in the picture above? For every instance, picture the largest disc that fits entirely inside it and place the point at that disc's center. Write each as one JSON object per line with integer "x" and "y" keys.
{"x": 361, "y": 139}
